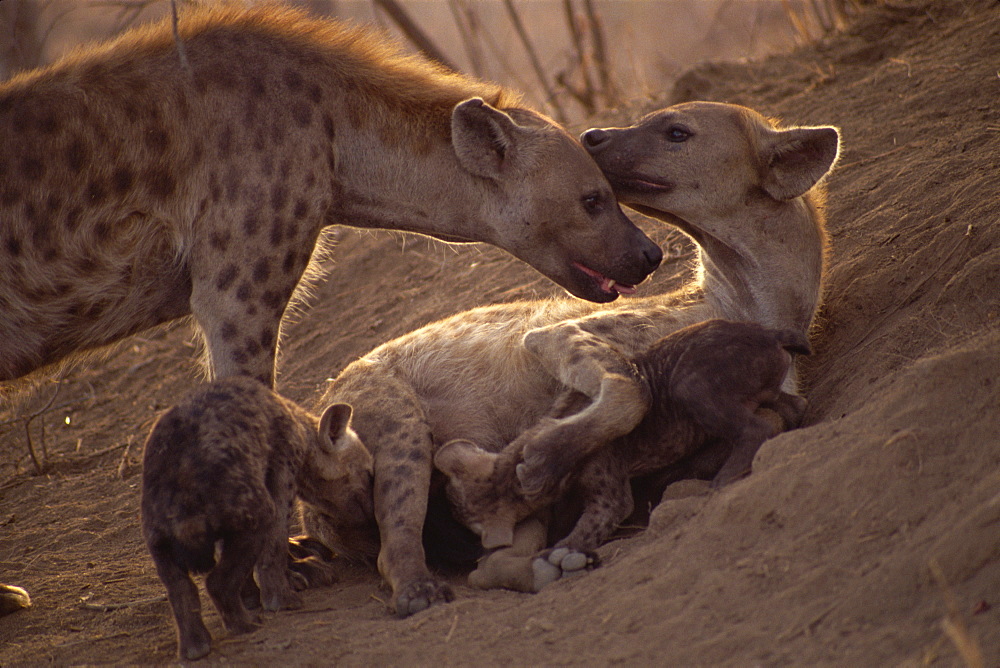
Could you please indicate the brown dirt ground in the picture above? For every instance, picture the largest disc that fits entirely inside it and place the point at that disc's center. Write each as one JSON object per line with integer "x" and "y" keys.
{"x": 869, "y": 537}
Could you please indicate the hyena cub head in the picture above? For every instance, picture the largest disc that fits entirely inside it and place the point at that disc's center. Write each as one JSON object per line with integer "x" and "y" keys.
{"x": 553, "y": 208}
{"x": 338, "y": 471}
{"x": 483, "y": 490}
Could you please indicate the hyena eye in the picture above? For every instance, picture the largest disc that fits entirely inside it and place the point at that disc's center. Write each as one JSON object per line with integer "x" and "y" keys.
{"x": 678, "y": 133}
{"x": 594, "y": 203}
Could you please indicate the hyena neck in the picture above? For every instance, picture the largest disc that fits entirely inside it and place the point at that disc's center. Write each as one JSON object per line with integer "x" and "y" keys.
{"x": 771, "y": 271}
{"x": 426, "y": 192}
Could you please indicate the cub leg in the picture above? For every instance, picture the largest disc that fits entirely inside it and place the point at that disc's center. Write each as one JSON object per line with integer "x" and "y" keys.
{"x": 225, "y": 583}
{"x": 591, "y": 366}
{"x": 193, "y": 639}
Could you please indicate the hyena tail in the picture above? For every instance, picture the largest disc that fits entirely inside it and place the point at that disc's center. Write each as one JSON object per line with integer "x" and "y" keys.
{"x": 192, "y": 545}
{"x": 794, "y": 341}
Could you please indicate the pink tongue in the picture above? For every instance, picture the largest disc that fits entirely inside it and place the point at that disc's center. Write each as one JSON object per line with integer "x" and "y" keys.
{"x": 607, "y": 284}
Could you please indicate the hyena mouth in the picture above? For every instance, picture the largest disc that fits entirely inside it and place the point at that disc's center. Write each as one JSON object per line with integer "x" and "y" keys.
{"x": 637, "y": 183}
{"x": 605, "y": 284}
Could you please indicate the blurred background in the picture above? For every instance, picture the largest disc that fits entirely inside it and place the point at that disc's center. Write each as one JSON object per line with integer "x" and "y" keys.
{"x": 571, "y": 58}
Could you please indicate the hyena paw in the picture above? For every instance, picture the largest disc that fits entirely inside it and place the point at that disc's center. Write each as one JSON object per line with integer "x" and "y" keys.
{"x": 561, "y": 562}
{"x": 538, "y": 482}
{"x": 310, "y": 563}
{"x": 281, "y": 599}
{"x": 420, "y": 595}
{"x": 13, "y": 599}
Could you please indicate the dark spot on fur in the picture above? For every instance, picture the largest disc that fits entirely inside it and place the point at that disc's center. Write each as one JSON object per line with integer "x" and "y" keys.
{"x": 251, "y": 222}
{"x": 76, "y": 155}
{"x": 228, "y": 331}
{"x": 315, "y": 93}
{"x": 302, "y": 114}
{"x": 121, "y": 180}
{"x": 232, "y": 185}
{"x": 32, "y": 168}
{"x": 48, "y": 124}
{"x": 226, "y": 277}
{"x": 95, "y": 192}
{"x": 10, "y": 197}
{"x": 157, "y": 140}
{"x": 272, "y": 299}
{"x": 261, "y": 270}
{"x": 102, "y": 231}
{"x": 301, "y": 209}
{"x": 238, "y": 356}
{"x": 293, "y": 80}
{"x": 225, "y": 143}
{"x": 219, "y": 240}
{"x": 53, "y": 203}
{"x": 73, "y": 218}
{"x": 277, "y": 232}
{"x": 328, "y": 127}
{"x": 244, "y": 291}
{"x": 279, "y": 196}
{"x": 288, "y": 265}
{"x": 161, "y": 183}
{"x": 13, "y": 246}
{"x": 277, "y": 133}
{"x": 267, "y": 338}
{"x": 252, "y": 347}
{"x": 256, "y": 86}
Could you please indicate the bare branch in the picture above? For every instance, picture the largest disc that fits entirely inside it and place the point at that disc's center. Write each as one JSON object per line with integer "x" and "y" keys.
{"x": 413, "y": 32}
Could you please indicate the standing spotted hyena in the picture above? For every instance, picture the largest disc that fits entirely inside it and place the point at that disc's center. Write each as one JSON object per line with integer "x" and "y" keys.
{"x": 137, "y": 186}
{"x": 223, "y": 468}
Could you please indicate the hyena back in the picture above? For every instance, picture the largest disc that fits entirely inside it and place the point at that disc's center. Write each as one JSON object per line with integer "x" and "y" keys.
{"x": 137, "y": 188}
{"x": 223, "y": 467}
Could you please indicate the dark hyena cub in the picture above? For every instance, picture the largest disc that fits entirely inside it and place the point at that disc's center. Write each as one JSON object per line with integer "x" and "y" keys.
{"x": 222, "y": 469}
{"x": 705, "y": 382}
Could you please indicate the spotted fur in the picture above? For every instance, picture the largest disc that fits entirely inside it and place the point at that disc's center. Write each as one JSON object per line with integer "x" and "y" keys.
{"x": 136, "y": 189}
{"x": 738, "y": 184}
{"x": 222, "y": 468}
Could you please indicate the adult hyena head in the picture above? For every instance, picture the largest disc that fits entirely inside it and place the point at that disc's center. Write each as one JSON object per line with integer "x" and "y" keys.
{"x": 551, "y": 205}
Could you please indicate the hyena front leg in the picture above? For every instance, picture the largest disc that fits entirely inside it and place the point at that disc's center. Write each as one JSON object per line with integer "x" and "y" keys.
{"x": 593, "y": 367}
{"x": 399, "y": 438}
{"x": 239, "y": 294}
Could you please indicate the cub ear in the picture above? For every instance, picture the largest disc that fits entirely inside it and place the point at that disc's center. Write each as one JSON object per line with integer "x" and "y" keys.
{"x": 333, "y": 425}
{"x": 483, "y": 137}
{"x": 460, "y": 459}
{"x": 797, "y": 159}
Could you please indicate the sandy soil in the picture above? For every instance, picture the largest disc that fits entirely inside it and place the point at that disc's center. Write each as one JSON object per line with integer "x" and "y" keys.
{"x": 869, "y": 537}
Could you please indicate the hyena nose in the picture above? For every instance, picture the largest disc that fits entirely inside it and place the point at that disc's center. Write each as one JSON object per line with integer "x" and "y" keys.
{"x": 653, "y": 255}
{"x": 594, "y": 138}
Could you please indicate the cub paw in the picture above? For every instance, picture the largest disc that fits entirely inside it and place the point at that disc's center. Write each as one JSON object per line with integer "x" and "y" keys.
{"x": 561, "y": 562}
{"x": 538, "y": 483}
{"x": 417, "y": 596}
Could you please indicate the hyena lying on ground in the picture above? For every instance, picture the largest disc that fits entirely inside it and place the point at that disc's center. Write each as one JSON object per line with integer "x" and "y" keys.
{"x": 223, "y": 468}
{"x": 137, "y": 187}
{"x": 739, "y": 186}
{"x": 704, "y": 382}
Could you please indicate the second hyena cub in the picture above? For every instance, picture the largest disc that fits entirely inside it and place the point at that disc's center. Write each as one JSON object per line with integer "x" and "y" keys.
{"x": 705, "y": 383}
{"x": 221, "y": 470}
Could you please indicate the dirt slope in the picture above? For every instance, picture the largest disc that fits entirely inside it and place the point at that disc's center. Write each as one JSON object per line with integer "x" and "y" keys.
{"x": 853, "y": 541}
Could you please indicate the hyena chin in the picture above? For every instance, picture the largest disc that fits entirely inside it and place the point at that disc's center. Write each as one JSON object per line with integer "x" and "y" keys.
{"x": 138, "y": 188}
{"x": 222, "y": 469}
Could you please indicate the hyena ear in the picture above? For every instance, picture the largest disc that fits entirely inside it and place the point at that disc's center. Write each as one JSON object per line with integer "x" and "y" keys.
{"x": 464, "y": 460}
{"x": 483, "y": 137}
{"x": 334, "y": 424}
{"x": 797, "y": 159}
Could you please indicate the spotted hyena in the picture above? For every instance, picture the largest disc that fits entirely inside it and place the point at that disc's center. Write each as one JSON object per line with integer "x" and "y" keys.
{"x": 743, "y": 187}
{"x": 704, "y": 382}
{"x": 145, "y": 179}
{"x": 221, "y": 470}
